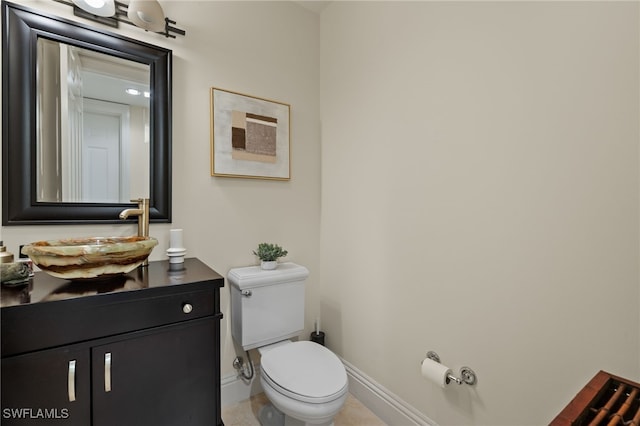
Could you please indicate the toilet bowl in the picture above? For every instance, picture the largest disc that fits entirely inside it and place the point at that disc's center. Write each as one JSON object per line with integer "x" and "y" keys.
{"x": 305, "y": 381}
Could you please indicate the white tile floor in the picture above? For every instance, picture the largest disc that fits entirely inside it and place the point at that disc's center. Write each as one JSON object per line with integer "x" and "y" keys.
{"x": 245, "y": 413}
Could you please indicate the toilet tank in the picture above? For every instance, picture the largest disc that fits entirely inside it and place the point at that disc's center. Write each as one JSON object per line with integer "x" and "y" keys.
{"x": 267, "y": 306}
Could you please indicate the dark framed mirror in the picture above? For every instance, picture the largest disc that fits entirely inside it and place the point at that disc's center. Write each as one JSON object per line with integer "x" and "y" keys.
{"x": 43, "y": 181}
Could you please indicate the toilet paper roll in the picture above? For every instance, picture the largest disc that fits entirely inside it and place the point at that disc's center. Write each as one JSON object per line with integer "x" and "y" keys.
{"x": 435, "y": 372}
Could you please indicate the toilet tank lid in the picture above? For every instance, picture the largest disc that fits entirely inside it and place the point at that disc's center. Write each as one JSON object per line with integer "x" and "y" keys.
{"x": 255, "y": 276}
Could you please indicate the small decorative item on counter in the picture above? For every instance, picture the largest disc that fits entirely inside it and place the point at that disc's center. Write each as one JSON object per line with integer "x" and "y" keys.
{"x": 5, "y": 256}
{"x": 269, "y": 254}
{"x": 176, "y": 250}
{"x": 14, "y": 273}
{"x": 28, "y": 262}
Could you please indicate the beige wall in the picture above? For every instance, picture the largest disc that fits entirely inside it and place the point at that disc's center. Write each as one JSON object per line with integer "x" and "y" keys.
{"x": 480, "y": 199}
{"x": 479, "y": 186}
{"x": 266, "y": 49}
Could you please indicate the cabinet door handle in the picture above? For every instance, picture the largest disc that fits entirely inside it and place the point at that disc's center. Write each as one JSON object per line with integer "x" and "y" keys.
{"x": 71, "y": 381}
{"x": 107, "y": 372}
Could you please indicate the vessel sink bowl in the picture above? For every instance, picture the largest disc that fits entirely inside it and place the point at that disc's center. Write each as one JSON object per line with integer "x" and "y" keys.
{"x": 90, "y": 257}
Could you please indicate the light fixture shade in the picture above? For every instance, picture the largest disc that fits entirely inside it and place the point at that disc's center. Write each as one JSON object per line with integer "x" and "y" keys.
{"x": 104, "y": 8}
{"x": 146, "y": 14}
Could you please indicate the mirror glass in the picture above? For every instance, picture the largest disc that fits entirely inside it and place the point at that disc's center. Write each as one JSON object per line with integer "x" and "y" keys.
{"x": 76, "y": 148}
{"x": 99, "y": 107}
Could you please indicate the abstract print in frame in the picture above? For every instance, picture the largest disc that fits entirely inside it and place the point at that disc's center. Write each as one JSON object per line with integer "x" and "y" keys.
{"x": 249, "y": 136}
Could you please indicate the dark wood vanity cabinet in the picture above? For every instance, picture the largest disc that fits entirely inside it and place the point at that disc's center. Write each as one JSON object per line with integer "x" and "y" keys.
{"x": 141, "y": 350}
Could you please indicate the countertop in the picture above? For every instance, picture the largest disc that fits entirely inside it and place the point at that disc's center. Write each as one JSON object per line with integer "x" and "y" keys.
{"x": 45, "y": 288}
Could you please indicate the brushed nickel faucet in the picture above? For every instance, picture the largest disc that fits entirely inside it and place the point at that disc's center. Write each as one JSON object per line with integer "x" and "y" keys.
{"x": 143, "y": 218}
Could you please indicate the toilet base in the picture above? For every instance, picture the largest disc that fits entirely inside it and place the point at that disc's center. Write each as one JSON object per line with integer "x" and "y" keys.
{"x": 269, "y": 415}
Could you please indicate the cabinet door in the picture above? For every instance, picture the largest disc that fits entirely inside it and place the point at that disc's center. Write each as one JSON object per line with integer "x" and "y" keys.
{"x": 161, "y": 377}
{"x": 47, "y": 387}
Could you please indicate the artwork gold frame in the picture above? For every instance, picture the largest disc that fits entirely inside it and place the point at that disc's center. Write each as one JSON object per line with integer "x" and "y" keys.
{"x": 249, "y": 136}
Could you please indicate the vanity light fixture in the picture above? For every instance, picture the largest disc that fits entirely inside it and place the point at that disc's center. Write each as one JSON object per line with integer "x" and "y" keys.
{"x": 103, "y": 8}
{"x": 145, "y": 14}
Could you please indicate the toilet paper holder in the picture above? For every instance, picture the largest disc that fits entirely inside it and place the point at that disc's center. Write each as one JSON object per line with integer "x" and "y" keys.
{"x": 467, "y": 375}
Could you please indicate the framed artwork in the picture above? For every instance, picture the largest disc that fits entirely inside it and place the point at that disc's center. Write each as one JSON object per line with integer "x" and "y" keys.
{"x": 249, "y": 136}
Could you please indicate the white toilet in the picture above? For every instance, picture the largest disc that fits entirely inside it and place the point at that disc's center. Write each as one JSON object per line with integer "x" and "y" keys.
{"x": 304, "y": 380}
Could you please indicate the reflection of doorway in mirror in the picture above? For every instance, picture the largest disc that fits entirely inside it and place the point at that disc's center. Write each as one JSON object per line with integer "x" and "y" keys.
{"x": 105, "y": 152}
{"x": 140, "y": 158}
{"x": 76, "y": 89}
{"x": 51, "y": 92}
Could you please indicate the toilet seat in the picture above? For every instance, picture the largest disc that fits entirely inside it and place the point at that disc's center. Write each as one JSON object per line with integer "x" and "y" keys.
{"x": 305, "y": 371}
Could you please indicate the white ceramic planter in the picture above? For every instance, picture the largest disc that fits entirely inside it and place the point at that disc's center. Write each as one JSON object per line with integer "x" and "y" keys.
{"x": 268, "y": 265}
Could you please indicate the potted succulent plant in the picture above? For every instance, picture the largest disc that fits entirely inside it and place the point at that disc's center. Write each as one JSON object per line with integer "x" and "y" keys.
{"x": 269, "y": 254}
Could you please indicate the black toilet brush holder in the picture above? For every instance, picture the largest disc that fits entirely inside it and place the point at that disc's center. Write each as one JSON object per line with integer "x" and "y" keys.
{"x": 317, "y": 337}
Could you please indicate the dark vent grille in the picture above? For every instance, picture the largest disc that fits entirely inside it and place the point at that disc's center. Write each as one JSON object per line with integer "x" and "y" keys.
{"x": 605, "y": 400}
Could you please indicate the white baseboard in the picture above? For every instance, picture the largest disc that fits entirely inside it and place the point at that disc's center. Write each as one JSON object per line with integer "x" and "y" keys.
{"x": 235, "y": 389}
{"x": 382, "y": 402}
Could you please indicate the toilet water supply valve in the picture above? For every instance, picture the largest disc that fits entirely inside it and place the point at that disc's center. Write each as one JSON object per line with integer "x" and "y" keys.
{"x": 238, "y": 364}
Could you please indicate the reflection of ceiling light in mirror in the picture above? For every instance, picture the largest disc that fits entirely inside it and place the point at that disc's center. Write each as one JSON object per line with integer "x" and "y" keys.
{"x": 146, "y": 14}
{"x": 134, "y": 92}
{"x": 147, "y": 94}
{"x": 97, "y": 7}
